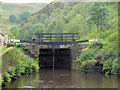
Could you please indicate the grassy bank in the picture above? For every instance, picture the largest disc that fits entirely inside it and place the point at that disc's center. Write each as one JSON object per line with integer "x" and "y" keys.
{"x": 15, "y": 64}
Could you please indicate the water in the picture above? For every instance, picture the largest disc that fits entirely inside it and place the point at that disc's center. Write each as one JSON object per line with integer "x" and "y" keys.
{"x": 64, "y": 79}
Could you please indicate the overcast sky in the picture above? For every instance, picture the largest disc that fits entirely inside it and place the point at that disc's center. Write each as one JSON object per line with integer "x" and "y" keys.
{"x": 27, "y": 1}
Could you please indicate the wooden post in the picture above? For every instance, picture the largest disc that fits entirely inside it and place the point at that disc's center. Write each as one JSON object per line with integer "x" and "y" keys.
{"x": 50, "y": 38}
{"x": 53, "y": 49}
{"x": 73, "y": 37}
{"x": 61, "y": 37}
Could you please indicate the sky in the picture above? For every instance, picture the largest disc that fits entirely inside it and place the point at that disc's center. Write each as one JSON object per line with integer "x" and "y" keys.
{"x": 27, "y": 1}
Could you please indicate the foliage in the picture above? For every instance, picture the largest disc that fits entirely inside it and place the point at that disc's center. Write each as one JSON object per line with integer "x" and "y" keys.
{"x": 11, "y": 8}
{"x": 86, "y": 55}
{"x": 96, "y": 45}
{"x": 99, "y": 15}
{"x": 107, "y": 67}
{"x": 12, "y": 18}
{"x": 11, "y": 71}
{"x": 43, "y": 18}
{"x": 35, "y": 68}
{"x": 14, "y": 30}
{"x": 19, "y": 64}
{"x": 84, "y": 65}
{"x": 89, "y": 19}
{"x": 24, "y": 15}
{"x": 116, "y": 65}
{"x": 6, "y": 78}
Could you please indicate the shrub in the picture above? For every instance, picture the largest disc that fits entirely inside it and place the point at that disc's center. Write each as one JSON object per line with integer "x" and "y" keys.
{"x": 28, "y": 69}
{"x": 116, "y": 65}
{"x": 6, "y": 78}
{"x": 87, "y": 55}
{"x": 107, "y": 66}
{"x": 84, "y": 65}
{"x": 96, "y": 45}
{"x": 20, "y": 64}
{"x": 11, "y": 71}
{"x": 35, "y": 68}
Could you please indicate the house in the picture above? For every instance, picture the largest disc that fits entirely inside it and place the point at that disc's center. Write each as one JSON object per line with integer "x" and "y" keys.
{"x": 1, "y": 40}
{"x": 4, "y": 40}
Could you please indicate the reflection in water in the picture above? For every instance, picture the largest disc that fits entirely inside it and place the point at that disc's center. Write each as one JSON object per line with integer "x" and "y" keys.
{"x": 64, "y": 79}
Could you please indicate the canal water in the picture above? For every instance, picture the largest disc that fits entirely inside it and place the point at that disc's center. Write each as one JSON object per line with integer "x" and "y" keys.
{"x": 64, "y": 79}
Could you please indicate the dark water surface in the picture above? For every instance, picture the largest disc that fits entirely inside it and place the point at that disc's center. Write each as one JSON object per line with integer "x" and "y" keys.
{"x": 64, "y": 79}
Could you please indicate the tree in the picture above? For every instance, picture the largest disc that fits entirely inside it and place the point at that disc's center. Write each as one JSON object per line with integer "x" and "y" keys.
{"x": 66, "y": 9}
{"x": 14, "y": 30}
{"x": 43, "y": 18}
{"x": 18, "y": 21}
{"x": 24, "y": 15}
{"x": 12, "y": 18}
{"x": 77, "y": 25}
{"x": 59, "y": 26}
{"x": 99, "y": 15}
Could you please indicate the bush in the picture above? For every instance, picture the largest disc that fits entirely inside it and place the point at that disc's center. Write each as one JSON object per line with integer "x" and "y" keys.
{"x": 116, "y": 65}
{"x": 86, "y": 55}
{"x": 19, "y": 64}
{"x": 84, "y": 65}
{"x": 11, "y": 71}
{"x": 20, "y": 69}
{"x": 96, "y": 45}
{"x": 28, "y": 69}
{"x": 6, "y": 78}
{"x": 35, "y": 68}
{"x": 107, "y": 66}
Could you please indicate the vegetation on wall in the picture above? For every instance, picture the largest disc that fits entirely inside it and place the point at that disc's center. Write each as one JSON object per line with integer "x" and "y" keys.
{"x": 15, "y": 64}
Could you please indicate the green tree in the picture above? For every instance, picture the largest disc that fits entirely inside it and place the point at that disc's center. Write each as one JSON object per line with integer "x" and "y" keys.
{"x": 66, "y": 9}
{"x": 43, "y": 18}
{"x": 26, "y": 32}
{"x": 12, "y": 18}
{"x": 18, "y": 21}
{"x": 14, "y": 30}
{"x": 99, "y": 15}
{"x": 59, "y": 27}
{"x": 24, "y": 15}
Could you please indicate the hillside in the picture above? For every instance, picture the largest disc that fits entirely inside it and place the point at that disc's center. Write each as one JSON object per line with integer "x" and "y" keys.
{"x": 16, "y": 9}
{"x": 91, "y": 20}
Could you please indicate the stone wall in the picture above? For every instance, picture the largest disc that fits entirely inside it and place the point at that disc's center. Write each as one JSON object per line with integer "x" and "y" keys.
{"x": 30, "y": 49}
{"x": 92, "y": 67}
{"x": 8, "y": 59}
